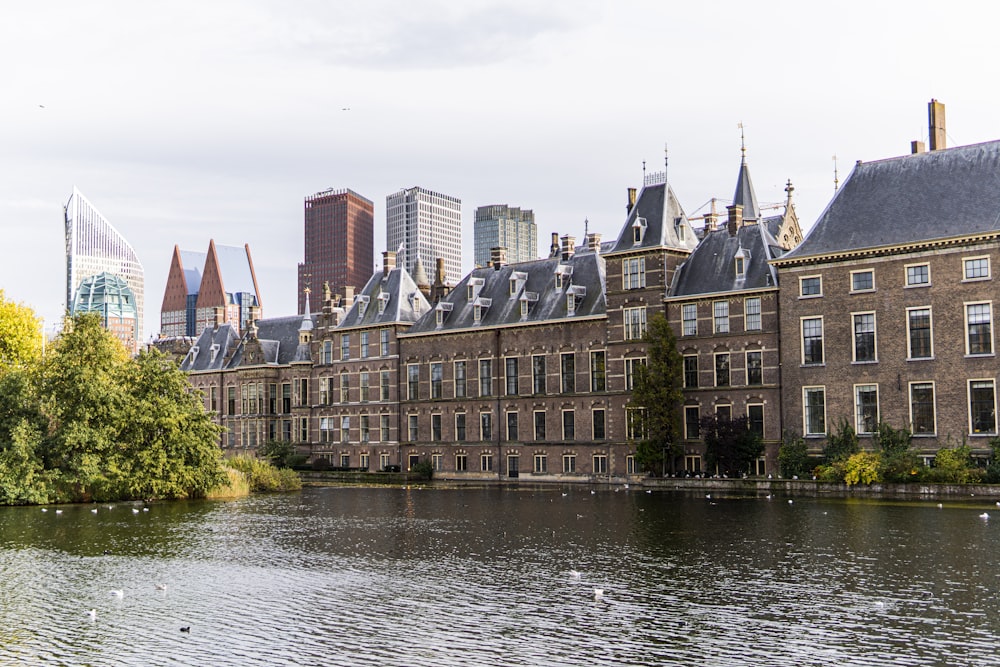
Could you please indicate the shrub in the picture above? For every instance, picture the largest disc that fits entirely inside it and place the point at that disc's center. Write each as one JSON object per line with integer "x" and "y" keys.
{"x": 793, "y": 457}
{"x": 842, "y": 444}
{"x": 952, "y": 466}
{"x": 423, "y": 468}
{"x": 831, "y": 472}
{"x": 263, "y": 476}
{"x": 862, "y": 468}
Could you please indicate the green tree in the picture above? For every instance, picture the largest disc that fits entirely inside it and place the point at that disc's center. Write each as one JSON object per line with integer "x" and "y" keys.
{"x": 20, "y": 335}
{"x": 730, "y": 446}
{"x": 899, "y": 463}
{"x": 657, "y": 396}
{"x": 793, "y": 457}
{"x": 23, "y": 478}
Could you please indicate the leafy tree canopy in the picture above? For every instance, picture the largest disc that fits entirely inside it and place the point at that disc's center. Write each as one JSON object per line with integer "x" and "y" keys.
{"x": 656, "y": 392}
{"x": 20, "y": 335}
{"x": 730, "y": 446}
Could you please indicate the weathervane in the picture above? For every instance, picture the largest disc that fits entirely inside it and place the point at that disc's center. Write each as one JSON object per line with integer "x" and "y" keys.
{"x": 836, "y": 178}
{"x": 743, "y": 143}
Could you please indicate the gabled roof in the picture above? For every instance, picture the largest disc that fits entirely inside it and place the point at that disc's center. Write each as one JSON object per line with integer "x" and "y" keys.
{"x": 534, "y": 282}
{"x": 661, "y": 219}
{"x": 210, "y": 351}
{"x": 711, "y": 268}
{"x": 236, "y": 269}
{"x": 942, "y": 194}
{"x": 404, "y": 302}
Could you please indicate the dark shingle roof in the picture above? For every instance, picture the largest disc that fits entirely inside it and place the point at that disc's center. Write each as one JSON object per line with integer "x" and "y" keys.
{"x": 745, "y": 195}
{"x": 923, "y": 197}
{"x": 404, "y": 301}
{"x": 711, "y": 268}
{"x": 666, "y": 224}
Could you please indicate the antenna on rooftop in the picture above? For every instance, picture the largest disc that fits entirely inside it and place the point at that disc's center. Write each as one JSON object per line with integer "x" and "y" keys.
{"x": 743, "y": 143}
{"x": 836, "y": 178}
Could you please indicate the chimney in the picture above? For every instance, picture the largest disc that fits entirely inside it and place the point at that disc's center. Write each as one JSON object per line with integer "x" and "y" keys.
{"x": 735, "y": 218}
{"x": 439, "y": 289}
{"x": 554, "y": 248}
{"x": 388, "y": 262}
{"x": 711, "y": 218}
{"x": 498, "y": 257}
{"x": 568, "y": 247}
{"x": 348, "y": 297}
{"x": 594, "y": 242}
{"x": 935, "y": 120}
{"x": 631, "y": 201}
{"x": 917, "y": 147}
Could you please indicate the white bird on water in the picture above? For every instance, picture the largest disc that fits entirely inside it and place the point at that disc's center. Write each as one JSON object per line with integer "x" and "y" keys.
{"x": 44, "y": 510}
{"x": 118, "y": 593}
{"x": 135, "y": 511}
{"x": 161, "y": 587}
{"x": 93, "y": 511}
{"x": 598, "y": 593}
{"x": 58, "y": 511}
{"x": 92, "y": 614}
{"x": 573, "y": 574}
{"x": 984, "y": 516}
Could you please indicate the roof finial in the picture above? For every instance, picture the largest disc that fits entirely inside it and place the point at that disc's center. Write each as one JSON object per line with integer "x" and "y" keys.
{"x": 836, "y": 178}
{"x": 586, "y": 227}
{"x": 666, "y": 161}
{"x": 743, "y": 144}
{"x": 644, "y": 172}
{"x": 789, "y": 188}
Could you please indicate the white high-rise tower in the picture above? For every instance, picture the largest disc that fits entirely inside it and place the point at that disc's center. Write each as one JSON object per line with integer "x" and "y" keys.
{"x": 427, "y": 225}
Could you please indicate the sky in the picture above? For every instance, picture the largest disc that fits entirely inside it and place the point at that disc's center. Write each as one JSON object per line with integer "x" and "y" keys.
{"x": 187, "y": 121}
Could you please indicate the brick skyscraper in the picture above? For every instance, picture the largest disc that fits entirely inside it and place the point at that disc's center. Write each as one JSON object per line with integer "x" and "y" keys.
{"x": 339, "y": 244}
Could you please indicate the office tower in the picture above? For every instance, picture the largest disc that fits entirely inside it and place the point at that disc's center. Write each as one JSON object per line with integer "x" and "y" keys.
{"x": 428, "y": 225}
{"x": 94, "y": 246}
{"x": 111, "y": 298}
{"x": 503, "y": 226}
{"x": 339, "y": 245}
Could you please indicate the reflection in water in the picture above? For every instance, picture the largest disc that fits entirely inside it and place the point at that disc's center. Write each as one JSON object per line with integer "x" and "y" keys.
{"x": 418, "y": 576}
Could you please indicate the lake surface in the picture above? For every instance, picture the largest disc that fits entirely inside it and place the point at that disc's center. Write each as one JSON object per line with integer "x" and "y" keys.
{"x": 483, "y": 576}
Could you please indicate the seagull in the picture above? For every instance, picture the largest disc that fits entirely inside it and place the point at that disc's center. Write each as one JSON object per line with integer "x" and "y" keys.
{"x": 940, "y": 505}
{"x": 708, "y": 495}
{"x": 145, "y": 509}
{"x": 161, "y": 587}
{"x": 573, "y": 574}
{"x": 92, "y": 614}
{"x": 135, "y": 511}
{"x": 768, "y": 496}
{"x": 789, "y": 501}
{"x": 93, "y": 511}
{"x": 592, "y": 492}
{"x": 984, "y": 516}
{"x": 58, "y": 511}
{"x": 44, "y": 510}
{"x": 598, "y": 593}
{"x": 118, "y": 593}
{"x": 564, "y": 495}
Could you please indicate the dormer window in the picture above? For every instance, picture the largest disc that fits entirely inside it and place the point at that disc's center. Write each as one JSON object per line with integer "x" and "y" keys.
{"x": 480, "y": 306}
{"x": 574, "y": 295}
{"x": 740, "y": 263}
{"x": 440, "y": 312}
{"x": 215, "y": 351}
{"x": 517, "y": 280}
{"x": 563, "y": 273}
{"x": 363, "y": 304}
{"x": 526, "y": 299}
{"x": 638, "y": 230}
{"x": 383, "y": 300}
{"x": 474, "y": 287}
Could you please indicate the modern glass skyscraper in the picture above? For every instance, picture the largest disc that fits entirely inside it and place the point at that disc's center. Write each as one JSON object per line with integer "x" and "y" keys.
{"x": 94, "y": 246}
{"x": 503, "y": 226}
{"x": 428, "y": 225}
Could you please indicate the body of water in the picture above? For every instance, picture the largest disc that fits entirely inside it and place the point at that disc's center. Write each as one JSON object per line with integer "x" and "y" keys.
{"x": 492, "y": 576}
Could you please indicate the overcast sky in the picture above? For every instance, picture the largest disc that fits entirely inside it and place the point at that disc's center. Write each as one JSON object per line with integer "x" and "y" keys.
{"x": 189, "y": 121}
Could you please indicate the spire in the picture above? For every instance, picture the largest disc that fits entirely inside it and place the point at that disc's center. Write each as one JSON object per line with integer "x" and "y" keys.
{"x": 419, "y": 274}
{"x": 745, "y": 195}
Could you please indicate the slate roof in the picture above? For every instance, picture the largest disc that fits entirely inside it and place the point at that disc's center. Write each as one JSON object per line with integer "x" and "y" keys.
{"x": 665, "y": 222}
{"x": 923, "y": 197}
{"x": 535, "y": 282}
{"x": 745, "y": 195}
{"x": 404, "y": 301}
{"x": 278, "y": 338}
{"x": 711, "y": 268}
{"x": 200, "y": 356}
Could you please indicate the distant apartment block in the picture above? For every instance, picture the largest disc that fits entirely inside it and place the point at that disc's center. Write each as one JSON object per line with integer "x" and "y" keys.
{"x": 339, "y": 244}
{"x": 94, "y": 246}
{"x": 503, "y": 226}
{"x": 425, "y": 226}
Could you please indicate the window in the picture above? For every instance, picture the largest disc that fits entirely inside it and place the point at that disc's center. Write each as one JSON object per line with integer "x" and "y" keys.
{"x": 345, "y": 387}
{"x": 364, "y": 344}
{"x": 539, "y": 417}
{"x": 510, "y": 375}
{"x": 345, "y": 429}
{"x": 751, "y": 314}
{"x": 486, "y": 462}
{"x": 741, "y": 267}
{"x": 864, "y": 337}
{"x": 460, "y": 382}
{"x": 326, "y": 425}
{"x": 689, "y": 317}
{"x": 345, "y": 347}
{"x": 918, "y": 275}
{"x": 411, "y": 427}
{"x": 598, "y": 371}
{"x": 692, "y": 422}
{"x": 722, "y": 369}
{"x": 485, "y": 377}
{"x": 461, "y": 463}
{"x": 630, "y": 368}
{"x": 412, "y": 382}
{"x": 982, "y": 407}
{"x": 538, "y": 374}
{"x": 436, "y": 427}
{"x": 327, "y": 352}
{"x": 634, "y": 273}
{"x": 383, "y": 428}
{"x": 437, "y": 379}
{"x": 862, "y": 281}
{"x": 922, "y": 417}
{"x": 720, "y": 314}
{"x": 812, "y": 340}
{"x": 814, "y": 407}
{"x": 600, "y": 464}
{"x": 324, "y": 391}
{"x": 630, "y": 465}
{"x": 567, "y": 372}
{"x": 363, "y": 381}
{"x": 918, "y": 328}
{"x": 569, "y": 425}
{"x": 383, "y": 461}
{"x": 437, "y": 462}
{"x": 512, "y": 426}
{"x": 365, "y": 429}
{"x": 755, "y": 419}
{"x": 977, "y": 268}
{"x": 979, "y": 328}
{"x": 635, "y": 322}
{"x": 286, "y": 397}
{"x": 364, "y": 461}
{"x": 303, "y": 430}
{"x": 541, "y": 463}
{"x": 599, "y": 424}
{"x": 486, "y": 426}
{"x": 635, "y": 423}
{"x": 383, "y": 381}
{"x": 755, "y": 368}
{"x": 383, "y": 342}
{"x": 460, "y": 426}
{"x": 569, "y": 464}
{"x": 811, "y": 286}
{"x": 691, "y": 371}
{"x": 724, "y": 412}
{"x": 303, "y": 385}
{"x": 866, "y": 408}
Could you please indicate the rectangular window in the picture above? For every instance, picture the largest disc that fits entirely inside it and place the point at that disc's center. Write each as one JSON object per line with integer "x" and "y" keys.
{"x": 365, "y": 429}
{"x": 324, "y": 391}
{"x": 755, "y": 419}
{"x": 724, "y": 412}
{"x": 461, "y": 463}
{"x": 918, "y": 327}
{"x": 866, "y": 408}
{"x": 568, "y": 425}
{"x": 345, "y": 347}
{"x": 635, "y": 423}
{"x": 634, "y": 273}
{"x": 598, "y": 371}
{"x": 436, "y": 427}
{"x": 862, "y": 281}
{"x": 982, "y": 407}
{"x": 811, "y": 286}
{"x": 569, "y": 464}
{"x": 437, "y": 379}
{"x": 631, "y": 467}
{"x": 539, "y": 418}
{"x": 460, "y": 380}
{"x": 327, "y": 352}
{"x": 364, "y": 344}
{"x": 918, "y": 275}
{"x": 345, "y": 429}
{"x": 814, "y": 408}
{"x": 751, "y": 314}
{"x": 635, "y": 323}
{"x": 864, "y": 337}
{"x": 363, "y": 381}
{"x": 722, "y": 370}
{"x": 691, "y": 371}
{"x": 630, "y": 370}
{"x": 437, "y": 462}
{"x": 976, "y": 268}
{"x": 485, "y": 377}
{"x": 541, "y": 463}
{"x": 567, "y": 372}
{"x": 303, "y": 429}
{"x": 755, "y": 368}
{"x": 411, "y": 427}
{"x": 689, "y": 318}
{"x": 599, "y": 424}
{"x": 412, "y": 382}
{"x": 979, "y": 328}
{"x": 510, "y": 375}
{"x": 383, "y": 461}
{"x": 460, "y": 426}
{"x": 512, "y": 427}
{"x": 345, "y": 388}
{"x": 364, "y": 461}
{"x": 486, "y": 462}
{"x": 720, "y": 314}
{"x": 812, "y": 340}
{"x": 383, "y": 382}
{"x": 538, "y": 374}
{"x": 303, "y": 391}
{"x": 383, "y": 337}
{"x": 383, "y": 428}
{"x": 486, "y": 426}
{"x": 286, "y": 398}
{"x": 600, "y": 464}
{"x": 922, "y": 417}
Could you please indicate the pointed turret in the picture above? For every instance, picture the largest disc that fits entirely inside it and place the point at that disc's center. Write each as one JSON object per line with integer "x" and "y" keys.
{"x": 745, "y": 195}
